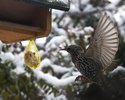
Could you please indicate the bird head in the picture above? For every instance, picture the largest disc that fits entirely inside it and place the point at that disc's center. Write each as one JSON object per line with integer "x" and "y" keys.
{"x": 73, "y": 49}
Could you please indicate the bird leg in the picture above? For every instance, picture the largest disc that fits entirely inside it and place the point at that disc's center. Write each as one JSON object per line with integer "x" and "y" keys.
{"x": 83, "y": 78}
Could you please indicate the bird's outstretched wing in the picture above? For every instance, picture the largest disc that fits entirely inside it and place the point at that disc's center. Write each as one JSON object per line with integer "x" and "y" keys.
{"x": 104, "y": 44}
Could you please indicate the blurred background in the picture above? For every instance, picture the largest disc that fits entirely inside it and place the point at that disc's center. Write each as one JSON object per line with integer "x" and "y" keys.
{"x": 54, "y": 79}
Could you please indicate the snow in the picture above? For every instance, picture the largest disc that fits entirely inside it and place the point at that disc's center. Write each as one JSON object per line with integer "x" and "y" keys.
{"x": 74, "y": 9}
{"x": 57, "y": 30}
{"x": 54, "y": 42}
{"x": 110, "y": 7}
{"x": 73, "y": 73}
{"x": 119, "y": 16}
{"x": 19, "y": 70}
{"x": 64, "y": 1}
{"x": 115, "y": 2}
{"x": 40, "y": 41}
{"x": 58, "y": 83}
{"x": 120, "y": 19}
{"x": 58, "y": 39}
{"x": 57, "y": 13}
{"x": 60, "y": 69}
{"x": 63, "y": 52}
{"x": 46, "y": 62}
{"x": 52, "y": 97}
{"x": 56, "y": 68}
{"x": 89, "y": 8}
{"x": 24, "y": 43}
{"x": 7, "y": 57}
{"x": 41, "y": 52}
{"x": 88, "y": 29}
{"x": 77, "y": 31}
{"x": 19, "y": 62}
{"x": 85, "y": 2}
{"x": 119, "y": 69}
{"x": 65, "y": 21}
{"x": 1, "y": 45}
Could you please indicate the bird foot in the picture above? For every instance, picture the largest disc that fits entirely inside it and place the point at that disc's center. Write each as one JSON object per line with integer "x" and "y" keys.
{"x": 83, "y": 79}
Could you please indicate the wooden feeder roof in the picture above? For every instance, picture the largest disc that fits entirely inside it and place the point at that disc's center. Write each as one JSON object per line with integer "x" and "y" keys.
{"x": 55, "y": 4}
{"x": 27, "y": 19}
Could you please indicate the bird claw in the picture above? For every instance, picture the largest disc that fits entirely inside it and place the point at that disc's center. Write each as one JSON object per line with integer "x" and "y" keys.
{"x": 83, "y": 79}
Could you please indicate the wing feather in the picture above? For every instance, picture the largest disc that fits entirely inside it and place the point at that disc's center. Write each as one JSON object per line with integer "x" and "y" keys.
{"x": 105, "y": 42}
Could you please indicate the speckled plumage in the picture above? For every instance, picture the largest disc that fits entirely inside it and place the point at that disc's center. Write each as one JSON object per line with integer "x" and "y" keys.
{"x": 100, "y": 53}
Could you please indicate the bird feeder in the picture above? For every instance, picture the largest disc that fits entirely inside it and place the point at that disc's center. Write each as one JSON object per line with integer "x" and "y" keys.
{"x": 27, "y": 19}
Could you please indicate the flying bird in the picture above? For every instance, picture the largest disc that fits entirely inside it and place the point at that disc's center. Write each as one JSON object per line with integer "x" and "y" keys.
{"x": 100, "y": 53}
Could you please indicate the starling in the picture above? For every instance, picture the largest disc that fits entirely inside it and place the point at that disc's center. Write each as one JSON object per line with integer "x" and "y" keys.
{"x": 100, "y": 53}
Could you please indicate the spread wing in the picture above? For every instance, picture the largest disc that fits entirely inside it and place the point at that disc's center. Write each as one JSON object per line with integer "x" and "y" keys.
{"x": 105, "y": 42}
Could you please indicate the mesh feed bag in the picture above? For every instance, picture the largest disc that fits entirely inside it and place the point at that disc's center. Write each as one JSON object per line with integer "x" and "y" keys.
{"x": 31, "y": 55}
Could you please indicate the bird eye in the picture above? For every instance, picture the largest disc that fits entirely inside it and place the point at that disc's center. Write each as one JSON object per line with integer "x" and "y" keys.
{"x": 68, "y": 49}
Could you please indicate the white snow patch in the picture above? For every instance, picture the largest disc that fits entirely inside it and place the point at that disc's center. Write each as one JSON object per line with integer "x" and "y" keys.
{"x": 74, "y": 9}
{"x": 64, "y": 1}
{"x": 19, "y": 62}
{"x": 1, "y": 45}
{"x": 19, "y": 70}
{"x": 46, "y": 62}
{"x": 54, "y": 80}
{"x": 88, "y": 30}
{"x": 115, "y": 2}
{"x": 52, "y": 97}
{"x": 120, "y": 16}
{"x": 85, "y": 2}
{"x": 7, "y": 56}
{"x": 60, "y": 69}
{"x": 57, "y": 13}
{"x": 89, "y": 8}
{"x": 65, "y": 21}
{"x": 41, "y": 52}
{"x": 24, "y": 43}
{"x": 58, "y": 30}
{"x": 56, "y": 68}
{"x": 63, "y": 52}
{"x": 40, "y": 41}
{"x": 56, "y": 41}
{"x": 117, "y": 70}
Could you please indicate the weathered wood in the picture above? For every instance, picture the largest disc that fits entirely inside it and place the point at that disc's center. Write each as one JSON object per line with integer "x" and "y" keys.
{"x": 20, "y": 21}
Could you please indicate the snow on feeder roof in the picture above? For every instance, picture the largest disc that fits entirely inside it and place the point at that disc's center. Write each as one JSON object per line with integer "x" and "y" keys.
{"x": 26, "y": 19}
{"x": 55, "y": 4}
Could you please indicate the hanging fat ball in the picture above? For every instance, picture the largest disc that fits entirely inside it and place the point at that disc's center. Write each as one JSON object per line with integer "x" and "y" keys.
{"x": 100, "y": 53}
{"x": 31, "y": 55}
